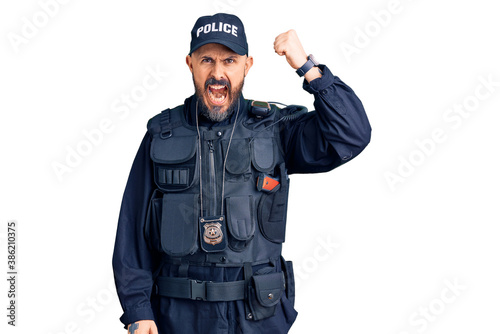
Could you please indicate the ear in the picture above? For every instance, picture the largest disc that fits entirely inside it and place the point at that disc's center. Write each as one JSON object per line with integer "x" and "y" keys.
{"x": 248, "y": 64}
{"x": 189, "y": 62}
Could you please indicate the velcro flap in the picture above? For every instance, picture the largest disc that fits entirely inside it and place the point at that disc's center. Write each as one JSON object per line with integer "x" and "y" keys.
{"x": 263, "y": 157}
{"x": 173, "y": 150}
{"x": 269, "y": 288}
{"x": 238, "y": 157}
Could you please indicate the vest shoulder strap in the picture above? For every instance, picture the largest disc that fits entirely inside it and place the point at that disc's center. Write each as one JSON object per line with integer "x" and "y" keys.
{"x": 162, "y": 124}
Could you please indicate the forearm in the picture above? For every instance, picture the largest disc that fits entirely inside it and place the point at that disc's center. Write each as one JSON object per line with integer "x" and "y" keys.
{"x": 334, "y": 133}
{"x": 341, "y": 116}
{"x": 133, "y": 261}
{"x": 312, "y": 74}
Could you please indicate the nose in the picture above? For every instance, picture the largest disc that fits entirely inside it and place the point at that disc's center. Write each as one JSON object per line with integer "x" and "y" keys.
{"x": 217, "y": 70}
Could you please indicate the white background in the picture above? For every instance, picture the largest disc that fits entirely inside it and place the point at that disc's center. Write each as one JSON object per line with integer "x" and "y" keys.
{"x": 389, "y": 250}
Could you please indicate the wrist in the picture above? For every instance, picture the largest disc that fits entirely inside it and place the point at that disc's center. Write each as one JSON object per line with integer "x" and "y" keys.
{"x": 300, "y": 62}
{"x": 313, "y": 73}
{"x": 310, "y": 64}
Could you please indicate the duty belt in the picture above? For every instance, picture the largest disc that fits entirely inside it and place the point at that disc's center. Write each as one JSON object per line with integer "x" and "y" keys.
{"x": 180, "y": 287}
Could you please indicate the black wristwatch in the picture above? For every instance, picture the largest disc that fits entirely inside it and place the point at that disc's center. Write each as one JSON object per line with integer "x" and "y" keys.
{"x": 310, "y": 63}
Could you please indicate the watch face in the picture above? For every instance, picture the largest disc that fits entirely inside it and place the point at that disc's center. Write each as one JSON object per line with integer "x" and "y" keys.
{"x": 315, "y": 62}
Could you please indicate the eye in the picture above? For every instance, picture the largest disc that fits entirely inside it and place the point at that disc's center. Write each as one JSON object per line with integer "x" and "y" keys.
{"x": 206, "y": 60}
{"x": 229, "y": 60}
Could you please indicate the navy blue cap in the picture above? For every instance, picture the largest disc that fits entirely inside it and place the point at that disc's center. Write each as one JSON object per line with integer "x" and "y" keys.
{"x": 221, "y": 28}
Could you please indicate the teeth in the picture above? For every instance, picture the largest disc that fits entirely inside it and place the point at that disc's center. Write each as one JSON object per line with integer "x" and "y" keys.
{"x": 211, "y": 94}
{"x": 217, "y": 87}
{"x": 216, "y": 99}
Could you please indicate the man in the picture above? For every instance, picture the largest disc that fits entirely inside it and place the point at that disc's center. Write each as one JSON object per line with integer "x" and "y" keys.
{"x": 198, "y": 245}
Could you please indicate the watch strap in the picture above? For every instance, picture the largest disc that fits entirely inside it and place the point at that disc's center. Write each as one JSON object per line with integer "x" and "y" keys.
{"x": 310, "y": 63}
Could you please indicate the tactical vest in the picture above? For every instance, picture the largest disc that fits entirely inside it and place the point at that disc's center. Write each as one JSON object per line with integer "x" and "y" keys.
{"x": 190, "y": 222}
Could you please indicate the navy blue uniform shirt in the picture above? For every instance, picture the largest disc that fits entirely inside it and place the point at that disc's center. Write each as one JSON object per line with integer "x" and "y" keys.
{"x": 319, "y": 141}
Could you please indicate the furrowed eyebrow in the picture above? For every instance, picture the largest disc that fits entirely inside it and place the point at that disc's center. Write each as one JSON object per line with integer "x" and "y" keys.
{"x": 233, "y": 58}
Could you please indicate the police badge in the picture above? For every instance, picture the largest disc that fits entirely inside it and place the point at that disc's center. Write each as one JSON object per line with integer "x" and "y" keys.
{"x": 213, "y": 234}
{"x": 213, "y": 230}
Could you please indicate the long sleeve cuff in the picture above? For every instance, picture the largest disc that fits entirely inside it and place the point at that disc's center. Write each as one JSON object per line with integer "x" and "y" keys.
{"x": 326, "y": 80}
{"x": 140, "y": 313}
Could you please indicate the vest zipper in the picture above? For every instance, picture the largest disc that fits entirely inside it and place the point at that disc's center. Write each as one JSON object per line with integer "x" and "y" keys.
{"x": 212, "y": 189}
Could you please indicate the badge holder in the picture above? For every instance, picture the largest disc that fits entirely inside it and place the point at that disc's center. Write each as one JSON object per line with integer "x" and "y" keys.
{"x": 213, "y": 232}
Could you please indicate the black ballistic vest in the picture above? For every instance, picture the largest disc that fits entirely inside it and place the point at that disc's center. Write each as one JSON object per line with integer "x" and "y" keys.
{"x": 196, "y": 224}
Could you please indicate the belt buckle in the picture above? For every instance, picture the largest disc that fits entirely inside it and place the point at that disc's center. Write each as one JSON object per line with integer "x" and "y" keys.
{"x": 198, "y": 290}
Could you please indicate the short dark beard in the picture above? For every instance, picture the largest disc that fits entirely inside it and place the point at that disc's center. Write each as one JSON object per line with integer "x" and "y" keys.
{"x": 214, "y": 114}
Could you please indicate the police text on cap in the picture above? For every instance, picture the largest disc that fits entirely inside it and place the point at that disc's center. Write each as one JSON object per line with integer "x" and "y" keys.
{"x": 224, "y": 27}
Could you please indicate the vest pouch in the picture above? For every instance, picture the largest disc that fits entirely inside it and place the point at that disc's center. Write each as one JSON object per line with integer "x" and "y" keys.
{"x": 179, "y": 224}
{"x": 272, "y": 210}
{"x": 263, "y": 154}
{"x": 153, "y": 220}
{"x": 241, "y": 221}
{"x": 238, "y": 157}
{"x": 264, "y": 293}
{"x": 175, "y": 163}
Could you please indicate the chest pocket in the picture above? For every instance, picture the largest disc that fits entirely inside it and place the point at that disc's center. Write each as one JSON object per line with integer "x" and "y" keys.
{"x": 259, "y": 152}
{"x": 263, "y": 154}
{"x": 238, "y": 160}
{"x": 175, "y": 162}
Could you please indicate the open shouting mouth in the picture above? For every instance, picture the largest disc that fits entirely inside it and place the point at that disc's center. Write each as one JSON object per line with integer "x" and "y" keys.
{"x": 218, "y": 94}
{"x": 218, "y": 98}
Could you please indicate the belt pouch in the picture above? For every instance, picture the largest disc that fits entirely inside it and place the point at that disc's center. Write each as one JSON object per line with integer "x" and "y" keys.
{"x": 264, "y": 294}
